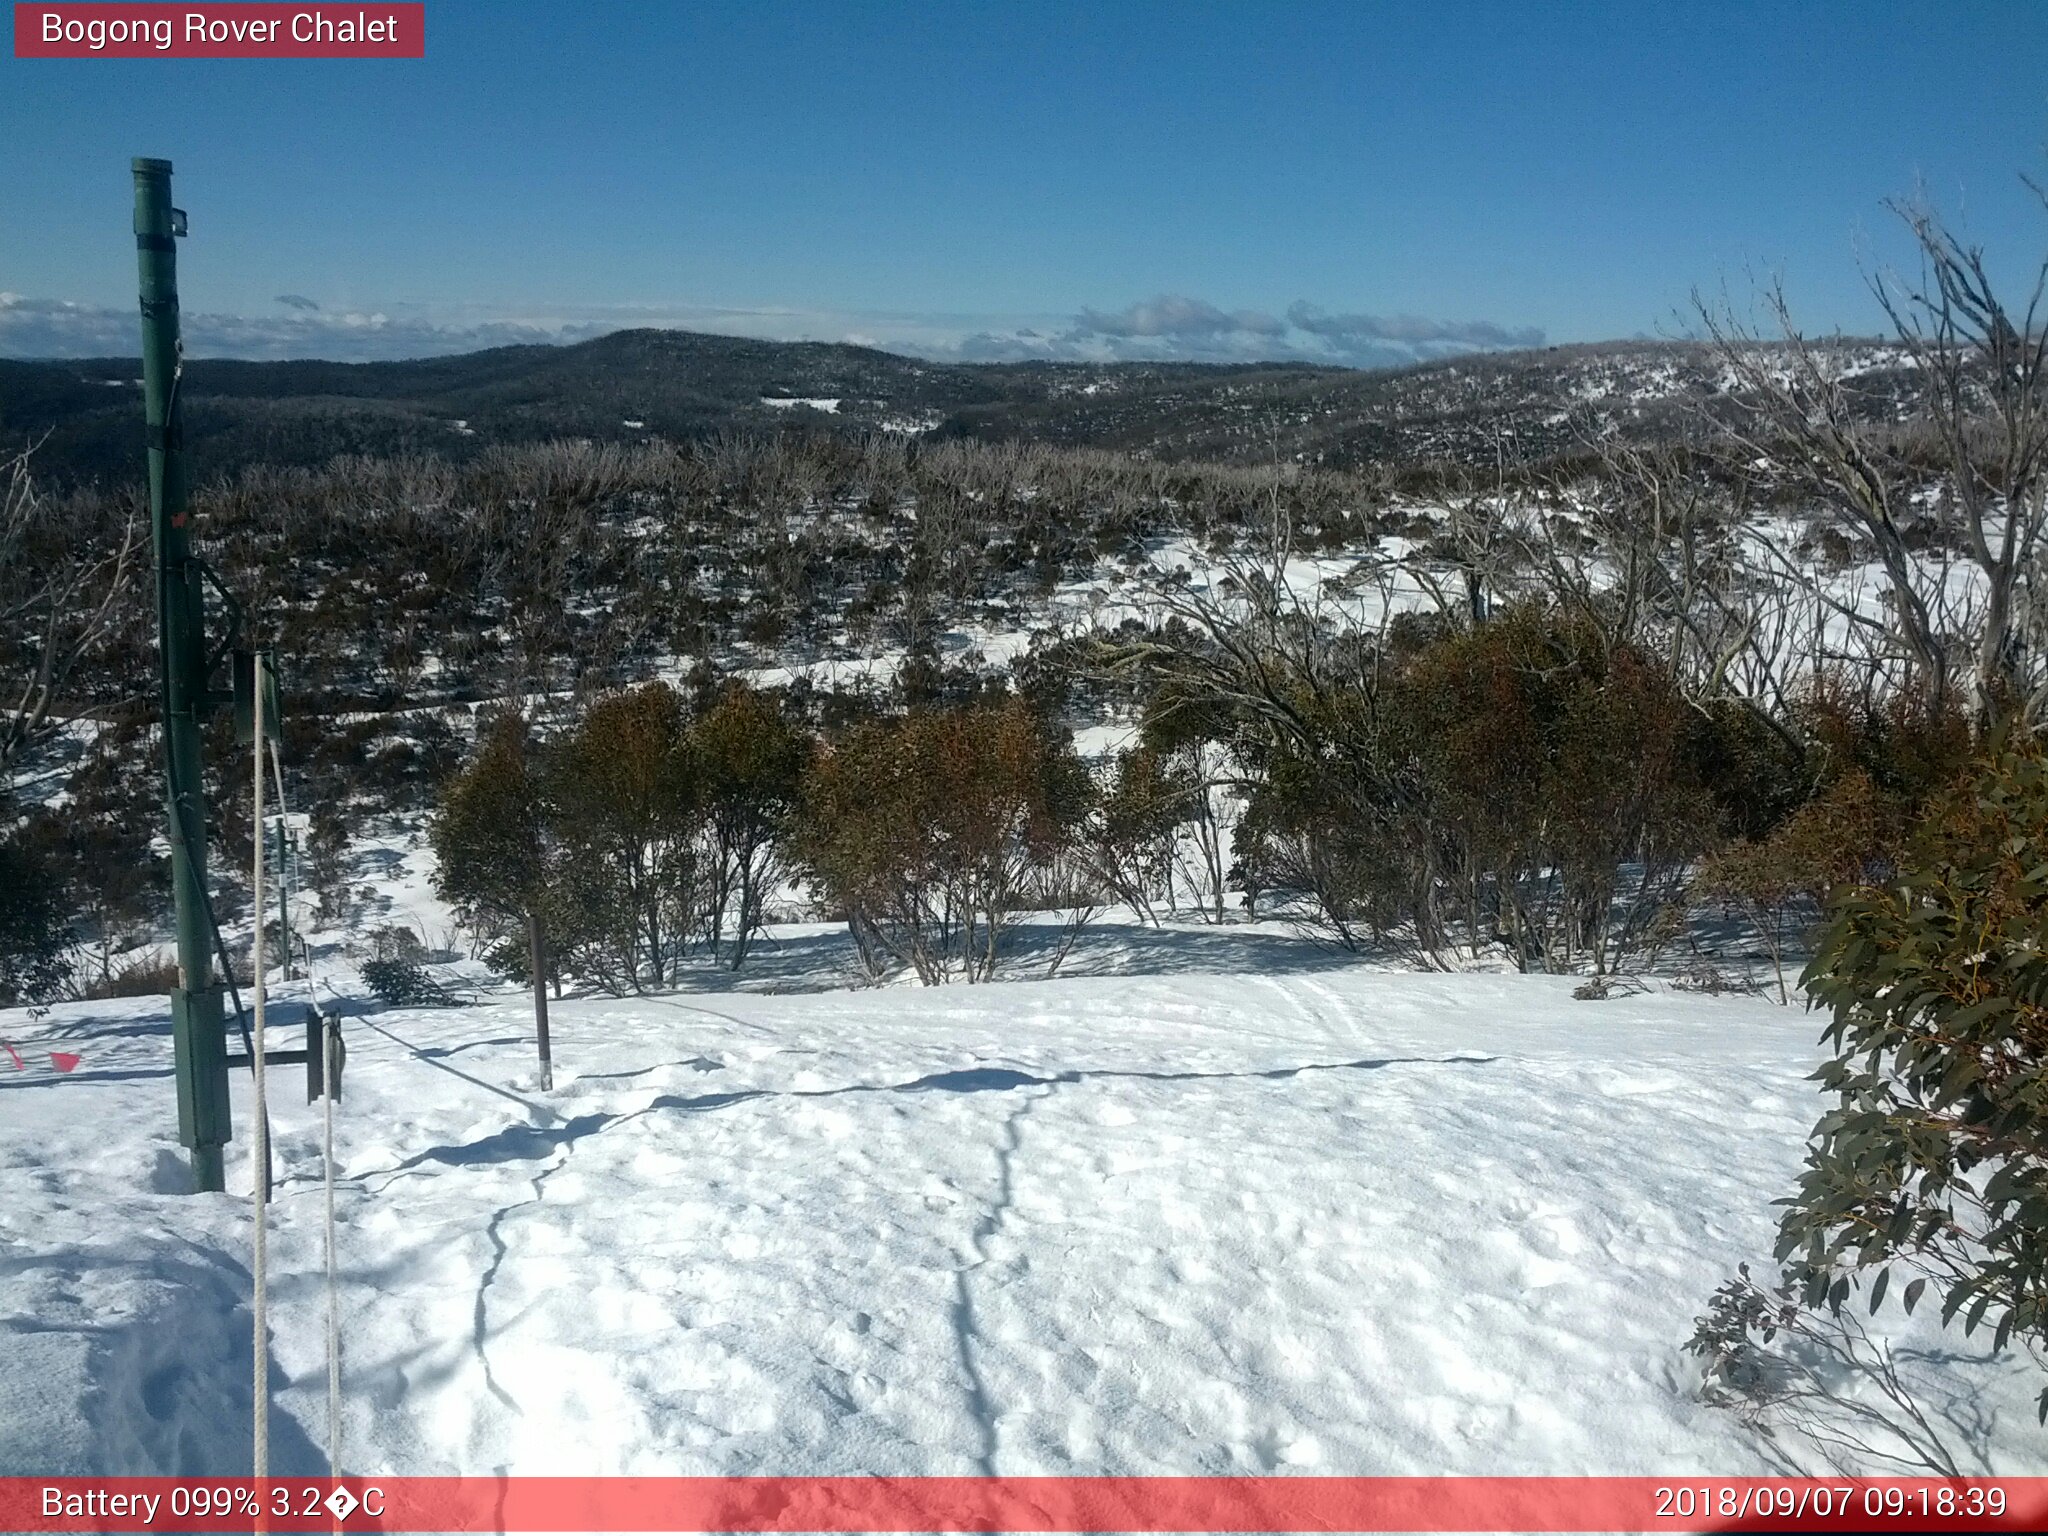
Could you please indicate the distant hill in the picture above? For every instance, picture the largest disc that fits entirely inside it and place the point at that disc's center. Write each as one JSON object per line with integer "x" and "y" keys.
{"x": 676, "y": 384}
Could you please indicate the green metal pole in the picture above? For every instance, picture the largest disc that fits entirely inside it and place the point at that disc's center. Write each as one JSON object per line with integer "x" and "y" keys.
{"x": 198, "y": 1021}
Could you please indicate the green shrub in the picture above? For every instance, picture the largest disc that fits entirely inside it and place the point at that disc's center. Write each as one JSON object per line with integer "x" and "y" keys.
{"x": 1934, "y": 1159}
{"x": 402, "y": 982}
{"x": 392, "y": 942}
{"x": 36, "y": 935}
{"x": 156, "y": 977}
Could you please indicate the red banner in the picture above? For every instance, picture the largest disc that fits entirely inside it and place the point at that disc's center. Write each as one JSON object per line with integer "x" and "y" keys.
{"x": 150, "y": 31}
{"x": 1053, "y": 1504}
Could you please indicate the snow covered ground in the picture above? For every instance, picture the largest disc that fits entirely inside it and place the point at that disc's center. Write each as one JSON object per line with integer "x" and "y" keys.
{"x": 1321, "y": 1220}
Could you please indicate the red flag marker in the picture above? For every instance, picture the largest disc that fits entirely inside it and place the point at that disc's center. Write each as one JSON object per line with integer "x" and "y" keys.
{"x": 63, "y": 1061}
{"x": 19, "y": 1064}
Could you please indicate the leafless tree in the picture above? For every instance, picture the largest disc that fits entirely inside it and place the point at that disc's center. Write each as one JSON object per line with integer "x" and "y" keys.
{"x": 62, "y": 592}
{"x": 1668, "y": 562}
{"x": 1980, "y": 368}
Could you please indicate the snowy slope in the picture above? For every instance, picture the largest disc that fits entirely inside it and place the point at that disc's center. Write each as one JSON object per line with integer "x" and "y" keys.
{"x": 1334, "y": 1221}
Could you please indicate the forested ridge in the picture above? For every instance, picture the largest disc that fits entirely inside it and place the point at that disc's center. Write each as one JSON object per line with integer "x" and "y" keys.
{"x": 635, "y": 386}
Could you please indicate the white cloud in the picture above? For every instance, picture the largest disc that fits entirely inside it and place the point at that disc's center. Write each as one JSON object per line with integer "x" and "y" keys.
{"x": 1171, "y": 315}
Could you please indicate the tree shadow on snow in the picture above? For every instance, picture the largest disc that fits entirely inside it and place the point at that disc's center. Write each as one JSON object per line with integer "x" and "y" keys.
{"x": 533, "y": 1143}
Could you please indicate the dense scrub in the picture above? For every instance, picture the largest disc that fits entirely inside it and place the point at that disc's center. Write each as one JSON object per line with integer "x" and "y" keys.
{"x": 1522, "y": 790}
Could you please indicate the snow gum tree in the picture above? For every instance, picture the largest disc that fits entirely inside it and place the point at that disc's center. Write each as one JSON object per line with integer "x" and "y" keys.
{"x": 1529, "y": 785}
{"x": 1134, "y": 826}
{"x": 1193, "y": 742}
{"x": 623, "y": 788}
{"x": 1558, "y": 769}
{"x": 496, "y": 860}
{"x": 930, "y": 831}
{"x": 750, "y": 764}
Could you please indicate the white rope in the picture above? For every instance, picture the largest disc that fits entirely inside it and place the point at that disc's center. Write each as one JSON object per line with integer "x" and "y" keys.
{"x": 328, "y": 1065}
{"x": 328, "y": 1069}
{"x": 285, "y": 872}
{"x": 260, "y": 1300}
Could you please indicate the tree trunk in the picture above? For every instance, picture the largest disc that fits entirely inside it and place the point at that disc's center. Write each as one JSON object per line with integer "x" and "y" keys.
{"x": 537, "y": 957}
{"x": 750, "y": 910}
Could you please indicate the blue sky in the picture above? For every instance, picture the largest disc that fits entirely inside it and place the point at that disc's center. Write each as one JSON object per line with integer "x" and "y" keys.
{"x": 1357, "y": 181}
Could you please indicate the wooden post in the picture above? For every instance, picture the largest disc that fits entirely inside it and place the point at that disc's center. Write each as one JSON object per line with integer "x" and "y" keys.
{"x": 537, "y": 958}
